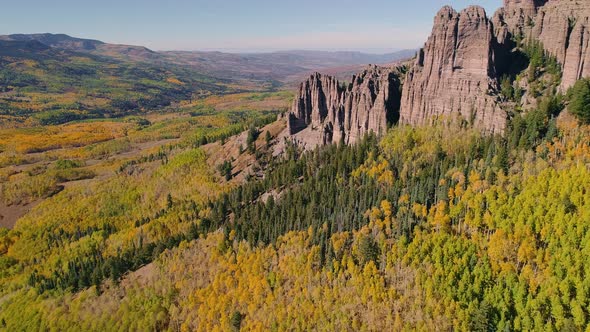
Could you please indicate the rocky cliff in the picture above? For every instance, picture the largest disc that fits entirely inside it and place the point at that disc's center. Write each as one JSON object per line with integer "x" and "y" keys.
{"x": 516, "y": 17}
{"x": 457, "y": 72}
{"x": 454, "y": 74}
{"x": 326, "y": 111}
{"x": 563, "y": 26}
{"x": 455, "y": 77}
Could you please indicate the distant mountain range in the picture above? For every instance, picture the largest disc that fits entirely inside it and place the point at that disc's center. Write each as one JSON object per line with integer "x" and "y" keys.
{"x": 56, "y": 40}
{"x": 56, "y": 78}
{"x": 283, "y": 66}
{"x": 65, "y": 42}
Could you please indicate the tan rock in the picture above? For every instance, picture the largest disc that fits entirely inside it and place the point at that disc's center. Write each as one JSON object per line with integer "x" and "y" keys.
{"x": 454, "y": 76}
{"x": 563, "y": 26}
{"x": 324, "y": 111}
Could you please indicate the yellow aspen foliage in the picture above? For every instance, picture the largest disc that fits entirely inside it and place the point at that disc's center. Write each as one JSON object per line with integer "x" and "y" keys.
{"x": 439, "y": 218}
{"x": 451, "y": 194}
{"x": 501, "y": 251}
{"x": 375, "y": 214}
{"x": 526, "y": 251}
{"x": 386, "y": 208}
{"x": 339, "y": 241}
{"x": 419, "y": 210}
{"x": 458, "y": 177}
{"x": 404, "y": 199}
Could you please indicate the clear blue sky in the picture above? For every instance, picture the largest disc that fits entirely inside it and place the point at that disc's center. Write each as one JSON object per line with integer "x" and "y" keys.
{"x": 236, "y": 25}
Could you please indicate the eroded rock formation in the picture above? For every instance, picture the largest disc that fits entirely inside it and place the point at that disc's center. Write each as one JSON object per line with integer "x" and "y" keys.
{"x": 454, "y": 75}
{"x": 457, "y": 72}
{"x": 325, "y": 111}
{"x": 563, "y": 26}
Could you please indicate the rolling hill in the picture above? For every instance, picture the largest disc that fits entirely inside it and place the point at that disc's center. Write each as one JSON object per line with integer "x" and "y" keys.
{"x": 54, "y": 78}
{"x": 53, "y": 85}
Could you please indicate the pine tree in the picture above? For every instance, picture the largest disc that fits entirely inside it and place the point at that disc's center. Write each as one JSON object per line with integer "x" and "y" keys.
{"x": 579, "y": 100}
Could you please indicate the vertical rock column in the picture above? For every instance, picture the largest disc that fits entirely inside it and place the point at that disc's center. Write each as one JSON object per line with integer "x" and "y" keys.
{"x": 454, "y": 76}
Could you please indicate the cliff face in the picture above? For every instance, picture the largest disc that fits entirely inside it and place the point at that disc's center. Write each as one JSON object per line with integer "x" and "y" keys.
{"x": 563, "y": 26}
{"x": 458, "y": 70}
{"x": 515, "y": 18}
{"x": 454, "y": 73}
{"x": 454, "y": 77}
{"x": 325, "y": 112}
{"x": 564, "y": 29}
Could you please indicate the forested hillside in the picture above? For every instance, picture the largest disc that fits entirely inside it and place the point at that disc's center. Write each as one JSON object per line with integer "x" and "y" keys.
{"x": 145, "y": 196}
{"x": 426, "y": 228}
{"x": 191, "y": 221}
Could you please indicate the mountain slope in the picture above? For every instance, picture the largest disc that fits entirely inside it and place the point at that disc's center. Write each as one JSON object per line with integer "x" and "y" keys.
{"x": 55, "y": 85}
{"x": 432, "y": 225}
{"x": 61, "y": 41}
{"x": 65, "y": 42}
{"x": 283, "y": 66}
{"x": 55, "y": 78}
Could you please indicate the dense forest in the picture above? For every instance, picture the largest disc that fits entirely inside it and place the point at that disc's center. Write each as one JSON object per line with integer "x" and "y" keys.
{"x": 425, "y": 228}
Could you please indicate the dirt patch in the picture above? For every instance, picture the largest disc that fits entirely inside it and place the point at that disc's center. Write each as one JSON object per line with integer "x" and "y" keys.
{"x": 244, "y": 163}
{"x": 139, "y": 148}
{"x": 9, "y": 214}
{"x": 143, "y": 276}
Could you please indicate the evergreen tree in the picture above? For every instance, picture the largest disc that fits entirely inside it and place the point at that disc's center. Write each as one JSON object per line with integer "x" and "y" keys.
{"x": 579, "y": 100}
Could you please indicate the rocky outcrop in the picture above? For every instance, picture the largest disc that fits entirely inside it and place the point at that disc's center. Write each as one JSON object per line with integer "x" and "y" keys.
{"x": 515, "y": 18}
{"x": 454, "y": 77}
{"x": 564, "y": 29}
{"x": 454, "y": 74}
{"x": 457, "y": 72}
{"x": 325, "y": 111}
{"x": 563, "y": 26}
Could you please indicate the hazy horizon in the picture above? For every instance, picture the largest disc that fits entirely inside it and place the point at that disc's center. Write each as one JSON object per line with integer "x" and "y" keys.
{"x": 373, "y": 26}
{"x": 376, "y": 51}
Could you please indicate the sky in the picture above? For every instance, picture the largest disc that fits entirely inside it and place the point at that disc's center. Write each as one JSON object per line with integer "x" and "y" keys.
{"x": 375, "y": 26}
